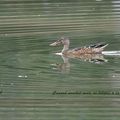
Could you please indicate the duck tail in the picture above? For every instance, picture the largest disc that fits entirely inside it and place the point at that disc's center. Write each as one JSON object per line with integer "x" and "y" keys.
{"x": 104, "y": 46}
{"x": 101, "y": 45}
{"x": 98, "y": 48}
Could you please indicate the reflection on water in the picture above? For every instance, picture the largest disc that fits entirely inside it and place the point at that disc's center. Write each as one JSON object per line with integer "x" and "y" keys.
{"x": 92, "y": 58}
{"x": 27, "y": 81}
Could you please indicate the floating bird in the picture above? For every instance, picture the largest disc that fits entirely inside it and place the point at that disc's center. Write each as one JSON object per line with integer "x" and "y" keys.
{"x": 91, "y": 49}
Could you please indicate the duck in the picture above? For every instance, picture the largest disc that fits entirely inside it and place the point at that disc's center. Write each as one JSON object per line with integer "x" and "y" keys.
{"x": 90, "y": 49}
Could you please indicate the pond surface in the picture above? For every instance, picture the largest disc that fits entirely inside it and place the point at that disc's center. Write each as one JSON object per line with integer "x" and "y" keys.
{"x": 35, "y": 84}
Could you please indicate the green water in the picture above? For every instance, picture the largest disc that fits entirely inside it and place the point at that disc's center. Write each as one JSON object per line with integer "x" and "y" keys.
{"x": 32, "y": 85}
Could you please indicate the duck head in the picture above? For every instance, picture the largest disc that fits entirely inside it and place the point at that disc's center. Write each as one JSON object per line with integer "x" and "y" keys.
{"x": 61, "y": 41}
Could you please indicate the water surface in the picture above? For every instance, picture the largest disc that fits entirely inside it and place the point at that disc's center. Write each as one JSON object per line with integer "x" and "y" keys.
{"x": 31, "y": 75}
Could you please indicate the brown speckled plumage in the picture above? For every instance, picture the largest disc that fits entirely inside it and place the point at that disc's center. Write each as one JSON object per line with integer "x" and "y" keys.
{"x": 91, "y": 49}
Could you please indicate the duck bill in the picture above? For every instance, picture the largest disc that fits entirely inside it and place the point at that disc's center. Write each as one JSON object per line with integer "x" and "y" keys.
{"x": 53, "y": 44}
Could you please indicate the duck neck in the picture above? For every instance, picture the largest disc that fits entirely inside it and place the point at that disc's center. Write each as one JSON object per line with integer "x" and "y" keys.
{"x": 65, "y": 48}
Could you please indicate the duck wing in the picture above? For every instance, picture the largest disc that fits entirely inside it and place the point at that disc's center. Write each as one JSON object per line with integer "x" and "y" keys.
{"x": 98, "y": 45}
{"x": 76, "y": 49}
